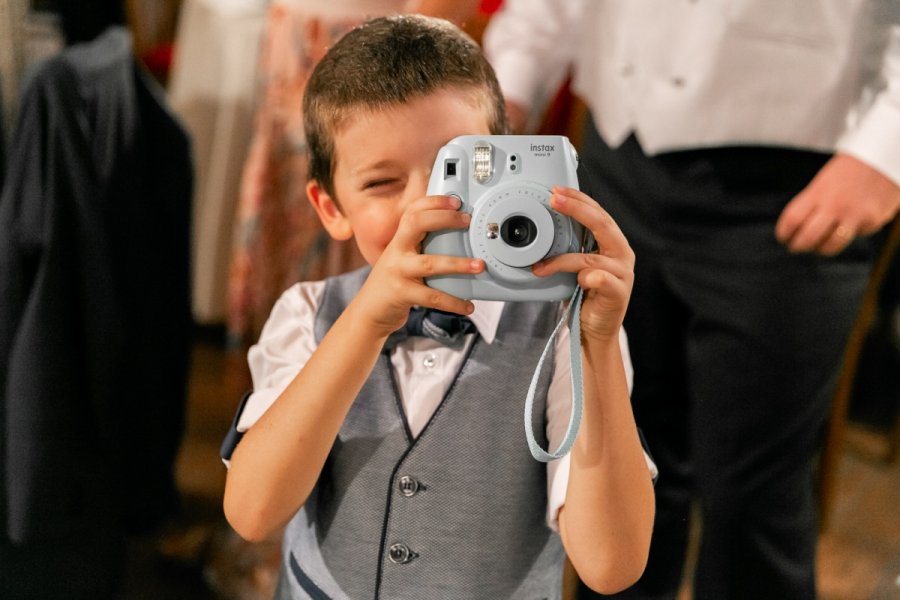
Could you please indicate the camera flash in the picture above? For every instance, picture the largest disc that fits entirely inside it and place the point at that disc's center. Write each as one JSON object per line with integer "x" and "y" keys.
{"x": 484, "y": 164}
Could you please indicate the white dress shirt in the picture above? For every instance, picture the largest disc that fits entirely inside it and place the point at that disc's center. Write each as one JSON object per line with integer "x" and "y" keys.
{"x": 815, "y": 74}
{"x": 424, "y": 370}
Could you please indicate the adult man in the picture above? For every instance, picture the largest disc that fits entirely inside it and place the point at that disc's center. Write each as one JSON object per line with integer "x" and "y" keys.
{"x": 747, "y": 149}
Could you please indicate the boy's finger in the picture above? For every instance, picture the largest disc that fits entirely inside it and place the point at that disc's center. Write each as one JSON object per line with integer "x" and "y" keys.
{"x": 433, "y": 203}
{"x": 431, "y": 213}
{"x": 432, "y": 298}
{"x": 426, "y": 221}
{"x": 590, "y": 214}
{"x": 428, "y": 265}
{"x": 575, "y": 263}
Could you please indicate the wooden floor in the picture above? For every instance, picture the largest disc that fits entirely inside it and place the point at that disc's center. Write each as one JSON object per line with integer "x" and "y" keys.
{"x": 859, "y": 552}
{"x": 199, "y": 558}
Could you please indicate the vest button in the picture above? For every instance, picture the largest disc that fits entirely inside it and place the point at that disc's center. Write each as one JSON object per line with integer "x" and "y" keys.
{"x": 400, "y": 554}
{"x": 409, "y": 487}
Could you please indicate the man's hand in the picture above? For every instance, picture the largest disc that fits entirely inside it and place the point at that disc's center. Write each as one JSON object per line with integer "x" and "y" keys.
{"x": 846, "y": 199}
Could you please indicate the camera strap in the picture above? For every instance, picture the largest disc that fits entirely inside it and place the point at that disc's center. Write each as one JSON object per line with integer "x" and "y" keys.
{"x": 573, "y": 314}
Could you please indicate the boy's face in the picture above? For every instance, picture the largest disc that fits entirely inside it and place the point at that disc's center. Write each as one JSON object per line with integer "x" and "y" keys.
{"x": 383, "y": 161}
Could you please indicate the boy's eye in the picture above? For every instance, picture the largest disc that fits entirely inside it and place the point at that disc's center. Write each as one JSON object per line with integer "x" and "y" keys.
{"x": 378, "y": 183}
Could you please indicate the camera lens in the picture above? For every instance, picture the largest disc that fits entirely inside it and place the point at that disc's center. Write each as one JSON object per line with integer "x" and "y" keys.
{"x": 518, "y": 231}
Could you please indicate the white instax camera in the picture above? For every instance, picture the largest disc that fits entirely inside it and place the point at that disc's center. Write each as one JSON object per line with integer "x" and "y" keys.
{"x": 504, "y": 181}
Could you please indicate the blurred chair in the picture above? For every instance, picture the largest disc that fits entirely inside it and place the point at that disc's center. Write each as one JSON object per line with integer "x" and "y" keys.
{"x": 837, "y": 426}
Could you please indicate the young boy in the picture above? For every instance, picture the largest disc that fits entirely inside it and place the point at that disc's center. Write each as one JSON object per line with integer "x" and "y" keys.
{"x": 401, "y": 468}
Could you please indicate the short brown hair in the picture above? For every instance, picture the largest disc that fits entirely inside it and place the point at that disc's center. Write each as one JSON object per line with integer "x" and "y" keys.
{"x": 386, "y": 62}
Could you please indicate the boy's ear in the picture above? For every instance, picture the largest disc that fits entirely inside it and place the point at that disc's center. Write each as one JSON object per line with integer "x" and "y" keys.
{"x": 334, "y": 221}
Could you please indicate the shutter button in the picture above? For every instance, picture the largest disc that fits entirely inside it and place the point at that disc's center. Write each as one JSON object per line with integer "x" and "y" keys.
{"x": 408, "y": 486}
{"x": 400, "y": 554}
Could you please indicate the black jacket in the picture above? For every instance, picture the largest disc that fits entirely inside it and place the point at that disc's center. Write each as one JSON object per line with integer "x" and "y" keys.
{"x": 94, "y": 295}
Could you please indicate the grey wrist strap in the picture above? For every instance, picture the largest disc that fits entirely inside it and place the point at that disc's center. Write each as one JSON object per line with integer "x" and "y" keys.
{"x": 573, "y": 308}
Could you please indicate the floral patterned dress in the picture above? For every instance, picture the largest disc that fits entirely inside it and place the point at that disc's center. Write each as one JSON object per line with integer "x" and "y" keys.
{"x": 278, "y": 237}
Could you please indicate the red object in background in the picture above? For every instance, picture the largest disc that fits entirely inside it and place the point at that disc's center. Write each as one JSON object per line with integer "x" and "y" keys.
{"x": 489, "y": 7}
{"x": 159, "y": 61}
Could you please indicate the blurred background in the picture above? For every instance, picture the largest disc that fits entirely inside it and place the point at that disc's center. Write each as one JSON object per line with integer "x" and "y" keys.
{"x": 201, "y": 221}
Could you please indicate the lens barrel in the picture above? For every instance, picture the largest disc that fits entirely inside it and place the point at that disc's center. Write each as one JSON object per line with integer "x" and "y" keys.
{"x": 518, "y": 231}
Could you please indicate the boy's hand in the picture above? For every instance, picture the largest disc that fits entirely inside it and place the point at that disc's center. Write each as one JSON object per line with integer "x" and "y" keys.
{"x": 606, "y": 275}
{"x": 396, "y": 282}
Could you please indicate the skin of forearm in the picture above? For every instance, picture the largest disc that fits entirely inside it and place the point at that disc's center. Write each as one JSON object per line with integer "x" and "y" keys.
{"x": 276, "y": 465}
{"x": 607, "y": 519}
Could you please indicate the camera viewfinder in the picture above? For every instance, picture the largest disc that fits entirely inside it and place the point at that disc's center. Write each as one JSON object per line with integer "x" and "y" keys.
{"x": 449, "y": 169}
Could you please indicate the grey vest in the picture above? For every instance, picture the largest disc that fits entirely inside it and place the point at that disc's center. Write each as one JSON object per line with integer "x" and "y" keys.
{"x": 457, "y": 513}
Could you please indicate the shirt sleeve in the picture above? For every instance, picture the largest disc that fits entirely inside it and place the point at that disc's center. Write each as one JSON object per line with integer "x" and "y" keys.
{"x": 285, "y": 344}
{"x": 875, "y": 139}
{"x": 559, "y": 408}
{"x": 530, "y": 46}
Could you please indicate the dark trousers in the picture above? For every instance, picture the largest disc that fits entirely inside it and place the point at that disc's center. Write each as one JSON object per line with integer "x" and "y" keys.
{"x": 736, "y": 344}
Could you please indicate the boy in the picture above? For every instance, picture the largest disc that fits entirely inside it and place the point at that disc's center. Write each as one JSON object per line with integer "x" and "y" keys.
{"x": 394, "y": 482}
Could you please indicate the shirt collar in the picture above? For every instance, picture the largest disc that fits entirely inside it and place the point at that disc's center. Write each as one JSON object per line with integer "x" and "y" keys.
{"x": 487, "y": 318}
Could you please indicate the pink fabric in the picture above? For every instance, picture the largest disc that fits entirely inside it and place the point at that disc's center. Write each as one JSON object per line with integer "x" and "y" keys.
{"x": 279, "y": 239}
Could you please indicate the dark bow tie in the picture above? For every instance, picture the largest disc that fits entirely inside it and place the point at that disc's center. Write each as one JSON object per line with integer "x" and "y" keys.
{"x": 447, "y": 328}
